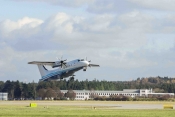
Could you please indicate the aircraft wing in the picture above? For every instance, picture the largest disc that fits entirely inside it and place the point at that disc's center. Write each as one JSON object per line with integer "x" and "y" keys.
{"x": 42, "y": 63}
{"x": 94, "y": 65}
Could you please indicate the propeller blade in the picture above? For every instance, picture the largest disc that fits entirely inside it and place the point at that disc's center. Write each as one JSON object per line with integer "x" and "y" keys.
{"x": 94, "y": 65}
{"x": 64, "y": 64}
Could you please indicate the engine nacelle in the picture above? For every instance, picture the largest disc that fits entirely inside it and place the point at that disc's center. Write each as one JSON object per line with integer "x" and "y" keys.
{"x": 56, "y": 64}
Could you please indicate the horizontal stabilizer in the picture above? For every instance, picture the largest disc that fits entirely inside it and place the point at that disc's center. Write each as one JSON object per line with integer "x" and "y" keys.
{"x": 42, "y": 63}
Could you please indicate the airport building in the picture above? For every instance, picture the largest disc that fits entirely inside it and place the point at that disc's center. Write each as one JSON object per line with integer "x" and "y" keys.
{"x": 3, "y": 96}
{"x": 90, "y": 94}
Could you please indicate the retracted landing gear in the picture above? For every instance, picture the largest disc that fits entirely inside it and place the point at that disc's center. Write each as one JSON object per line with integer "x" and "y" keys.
{"x": 61, "y": 78}
{"x": 72, "y": 77}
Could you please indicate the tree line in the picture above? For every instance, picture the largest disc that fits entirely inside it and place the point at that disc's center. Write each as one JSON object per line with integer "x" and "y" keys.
{"x": 32, "y": 90}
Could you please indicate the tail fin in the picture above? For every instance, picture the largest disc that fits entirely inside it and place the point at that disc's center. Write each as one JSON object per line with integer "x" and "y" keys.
{"x": 43, "y": 70}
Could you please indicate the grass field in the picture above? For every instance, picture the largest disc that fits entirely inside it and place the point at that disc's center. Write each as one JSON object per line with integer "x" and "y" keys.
{"x": 20, "y": 109}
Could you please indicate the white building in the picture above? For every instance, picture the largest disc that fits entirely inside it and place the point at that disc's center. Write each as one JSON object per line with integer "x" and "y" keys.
{"x": 89, "y": 94}
{"x": 3, "y": 96}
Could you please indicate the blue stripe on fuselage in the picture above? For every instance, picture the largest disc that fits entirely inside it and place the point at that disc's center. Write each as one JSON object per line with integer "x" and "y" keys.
{"x": 57, "y": 73}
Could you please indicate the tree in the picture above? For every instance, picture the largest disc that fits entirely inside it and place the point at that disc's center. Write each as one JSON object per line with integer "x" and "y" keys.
{"x": 70, "y": 94}
{"x": 93, "y": 94}
{"x": 17, "y": 90}
{"x": 41, "y": 93}
{"x": 9, "y": 87}
{"x": 34, "y": 90}
{"x": 24, "y": 91}
{"x": 59, "y": 94}
{"x": 50, "y": 93}
{"x": 1, "y": 85}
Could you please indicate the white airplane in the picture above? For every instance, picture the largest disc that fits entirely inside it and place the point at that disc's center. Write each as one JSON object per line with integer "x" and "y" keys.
{"x": 65, "y": 69}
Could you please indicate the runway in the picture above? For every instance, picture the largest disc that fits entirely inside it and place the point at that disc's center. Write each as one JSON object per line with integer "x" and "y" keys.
{"x": 97, "y": 104}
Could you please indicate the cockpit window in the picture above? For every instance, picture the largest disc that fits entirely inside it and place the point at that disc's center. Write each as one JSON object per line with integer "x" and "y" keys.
{"x": 80, "y": 60}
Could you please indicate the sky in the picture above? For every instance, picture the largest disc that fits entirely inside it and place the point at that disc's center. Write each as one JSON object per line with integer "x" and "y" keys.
{"x": 127, "y": 38}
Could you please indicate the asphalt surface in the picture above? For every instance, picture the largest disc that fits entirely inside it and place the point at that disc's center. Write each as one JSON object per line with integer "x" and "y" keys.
{"x": 97, "y": 104}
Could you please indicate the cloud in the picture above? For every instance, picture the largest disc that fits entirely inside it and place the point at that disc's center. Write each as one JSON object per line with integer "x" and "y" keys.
{"x": 90, "y": 6}
{"x": 126, "y": 41}
{"x": 124, "y": 33}
{"x": 137, "y": 20}
{"x": 9, "y": 25}
{"x": 65, "y": 3}
{"x": 102, "y": 6}
{"x": 13, "y": 63}
{"x": 156, "y": 4}
{"x": 168, "y": 23}
{"x": 110, "y": 6}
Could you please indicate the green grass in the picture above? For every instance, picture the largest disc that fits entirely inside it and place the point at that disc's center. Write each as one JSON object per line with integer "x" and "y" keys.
{"x": 78, "y": 111}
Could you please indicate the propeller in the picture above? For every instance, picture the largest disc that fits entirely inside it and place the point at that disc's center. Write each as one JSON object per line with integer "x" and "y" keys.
{"x": 60, "y": 62}
{"x": 87, "y": 60}
{"x": 92, "y": 65}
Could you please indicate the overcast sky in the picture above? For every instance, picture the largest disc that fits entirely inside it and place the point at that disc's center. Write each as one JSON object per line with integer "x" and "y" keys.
{"x": 127, "y": 38}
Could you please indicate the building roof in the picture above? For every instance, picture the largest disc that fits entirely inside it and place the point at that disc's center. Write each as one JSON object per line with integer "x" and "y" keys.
{"x": 105, "y": 91}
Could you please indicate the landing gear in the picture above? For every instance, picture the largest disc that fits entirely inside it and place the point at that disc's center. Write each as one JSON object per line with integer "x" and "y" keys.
{"x": 72, "y": 77}
{"x": 84, "y": 68}
{"x": 61, "y": 78}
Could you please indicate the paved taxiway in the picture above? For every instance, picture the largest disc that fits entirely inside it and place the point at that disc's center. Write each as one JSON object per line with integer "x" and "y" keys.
{"x": 100, "y": 104}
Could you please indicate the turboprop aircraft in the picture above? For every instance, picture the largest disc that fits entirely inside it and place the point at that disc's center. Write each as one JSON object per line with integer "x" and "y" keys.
{"x": 64, "y": 70}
